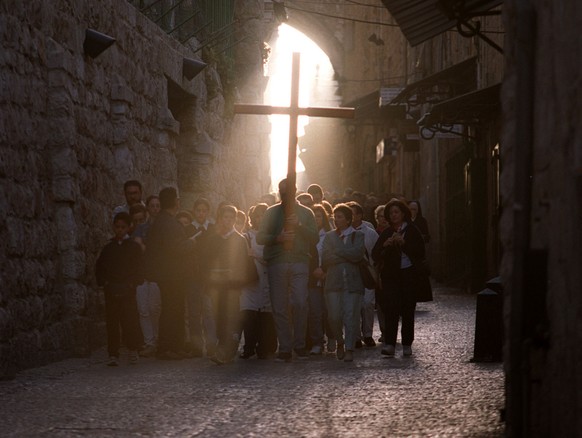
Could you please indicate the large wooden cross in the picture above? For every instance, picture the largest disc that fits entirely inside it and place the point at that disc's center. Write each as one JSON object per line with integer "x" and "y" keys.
{"x": 294, "y": 111}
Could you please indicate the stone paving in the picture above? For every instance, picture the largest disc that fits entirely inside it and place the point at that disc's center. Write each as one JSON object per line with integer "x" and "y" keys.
{"x": 437, "y": 392}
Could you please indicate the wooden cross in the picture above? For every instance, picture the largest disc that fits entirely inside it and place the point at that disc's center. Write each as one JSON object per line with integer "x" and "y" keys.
{"x": 294, "y": 111}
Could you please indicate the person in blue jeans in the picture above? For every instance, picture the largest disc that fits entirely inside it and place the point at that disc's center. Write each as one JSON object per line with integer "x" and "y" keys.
{"x": 287, "y": 242}
{"x": 317, "y": 311}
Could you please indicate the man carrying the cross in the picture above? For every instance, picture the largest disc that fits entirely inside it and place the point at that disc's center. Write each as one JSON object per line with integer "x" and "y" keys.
{"x": 287, "y": 240}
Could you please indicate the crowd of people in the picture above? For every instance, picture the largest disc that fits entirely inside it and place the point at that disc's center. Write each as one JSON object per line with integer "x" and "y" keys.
{"x": 283, "y": 279}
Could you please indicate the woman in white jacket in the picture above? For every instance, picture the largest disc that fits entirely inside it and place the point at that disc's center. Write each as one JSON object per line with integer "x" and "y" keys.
{"x": 343, "y": 251}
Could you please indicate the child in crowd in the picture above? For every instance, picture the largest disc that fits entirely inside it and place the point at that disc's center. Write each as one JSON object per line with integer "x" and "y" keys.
{"x": 119, "y": 271}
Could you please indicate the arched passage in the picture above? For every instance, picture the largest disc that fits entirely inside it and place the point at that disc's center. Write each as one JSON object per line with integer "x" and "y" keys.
{"x": 321, "y": 32}
{"x": 317, "y": 88}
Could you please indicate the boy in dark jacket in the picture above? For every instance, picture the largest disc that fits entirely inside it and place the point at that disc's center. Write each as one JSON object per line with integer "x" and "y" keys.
{"x": 119, "y": 271}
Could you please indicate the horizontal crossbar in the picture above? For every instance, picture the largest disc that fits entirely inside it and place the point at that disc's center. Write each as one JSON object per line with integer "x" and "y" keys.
{"x": 342, "y": 113}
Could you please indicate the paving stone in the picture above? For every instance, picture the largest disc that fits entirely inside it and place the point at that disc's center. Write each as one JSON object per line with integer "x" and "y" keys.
{"x": 436, "y": 392}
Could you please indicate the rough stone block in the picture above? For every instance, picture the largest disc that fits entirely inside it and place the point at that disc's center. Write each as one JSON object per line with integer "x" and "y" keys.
{"x": 215, "y": 126}
{"x": 73, "y": 264}
{"x": 164, "y": 140}
{"x": 53, "y": 307}
{"x": 124, "y": 160}
{"x": 203, "y": 144}
{"x": 122, "y": 93}
{"x": 6, "y": 325}
{"x": 167, "y": 122}
{"x": 65, "y": 189}
{"x": 60, "y": 103}
{"x": 64, "y": 163}
{"x": 66, "y": 228}
{"x": 14, "y": 236}
{"x": 62, "y": 131}
{"x": 121, "y": 132}
{"x": 119, "y": 109}
{"x": 75, "y": 298}
{"x": 56, "y": 56}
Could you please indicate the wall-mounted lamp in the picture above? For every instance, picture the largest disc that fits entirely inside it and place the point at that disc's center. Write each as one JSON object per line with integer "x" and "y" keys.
{"x": 191, "y": 67}
{"x": 96, "y": 43}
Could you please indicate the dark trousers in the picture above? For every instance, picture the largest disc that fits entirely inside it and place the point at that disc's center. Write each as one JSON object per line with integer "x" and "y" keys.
{"x": 226, "y": 309}
{"x": 172, "y": 325}
{"x": 122, "y": 319}
{"x": 398, "y": 301}
{"x": 260, "y": 333}
{"x": 194, "y": 315}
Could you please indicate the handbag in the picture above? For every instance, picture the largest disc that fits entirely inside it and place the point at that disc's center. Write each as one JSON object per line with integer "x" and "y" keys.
{"x": 368, "y": 274}
{"x": 367, "y": 271}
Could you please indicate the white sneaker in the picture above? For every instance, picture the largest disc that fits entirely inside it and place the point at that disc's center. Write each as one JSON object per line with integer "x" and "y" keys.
{"x": 148, "y": 351}
{"x": 315, "y": 350}
{"x": 331, "y": 345}
{"x": 406, "y": 350}
{"x": 133, "y": 357}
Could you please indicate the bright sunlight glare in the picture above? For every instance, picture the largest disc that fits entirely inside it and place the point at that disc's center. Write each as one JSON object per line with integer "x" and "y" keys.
{"x": 315, "y": 65}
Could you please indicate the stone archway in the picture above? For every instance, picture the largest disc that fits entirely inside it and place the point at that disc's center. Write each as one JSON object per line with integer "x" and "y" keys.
{"x": 322, "y": 34}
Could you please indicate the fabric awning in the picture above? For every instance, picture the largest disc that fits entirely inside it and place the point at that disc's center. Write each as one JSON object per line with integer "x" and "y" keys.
{"x": 420, "y": 20}
{"x": 469, "y": 108}
{"x": 368, "y": 107}
{"x": 459, "y": 79}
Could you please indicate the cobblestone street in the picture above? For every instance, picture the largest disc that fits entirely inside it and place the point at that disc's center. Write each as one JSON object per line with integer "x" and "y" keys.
{"x": 436, "y": 392}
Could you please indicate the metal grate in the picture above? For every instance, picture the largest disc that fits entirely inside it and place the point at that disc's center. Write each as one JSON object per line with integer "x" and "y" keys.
{"x": 209, "y": 21}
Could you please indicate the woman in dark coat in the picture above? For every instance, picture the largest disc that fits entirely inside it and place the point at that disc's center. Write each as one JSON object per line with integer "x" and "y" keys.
{"x": 418, "y": 219}
{"x": 400, "y": 252}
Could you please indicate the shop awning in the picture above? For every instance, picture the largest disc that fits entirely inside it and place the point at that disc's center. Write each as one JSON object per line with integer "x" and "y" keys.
{"x": 420, "y": 20}
{"x": 473, "y": 107}
{"x": 368, "y": 107}
{"x": 458, "y": 79}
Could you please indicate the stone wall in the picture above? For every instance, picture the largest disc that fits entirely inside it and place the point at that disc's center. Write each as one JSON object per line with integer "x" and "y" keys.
{"x": 541, "y": 232}
{"x": 72, "y": 130}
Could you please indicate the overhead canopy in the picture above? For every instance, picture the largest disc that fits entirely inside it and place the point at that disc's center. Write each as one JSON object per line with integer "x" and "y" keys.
{"x": 455, "y": 80}
{"x": 468, "y": 108}
{"x": 420, "y": 20}
{"x": 368, "y": 107}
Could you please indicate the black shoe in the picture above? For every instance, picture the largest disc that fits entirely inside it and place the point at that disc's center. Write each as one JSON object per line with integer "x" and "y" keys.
{"x": 210, "y": 350}
{"x": 217, "y": 359}
{"x": 246, "y": 354}
{"x": 358, "y": 344}
{"x": 283, "y": 357}
{"x": 369, "y": 342}
{"x": 340, "y": 352}
{"x": 301, "y": 353}
{"x": 113, "y": 361}
{"x": 170, "y": 355}
{"x": 192, "y": 351}
{"x": 266, "y": 356}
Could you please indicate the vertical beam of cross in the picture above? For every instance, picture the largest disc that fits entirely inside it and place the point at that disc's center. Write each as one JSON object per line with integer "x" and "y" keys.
{"x": 293, "y": 120}
{"x": 293, "y": 111}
